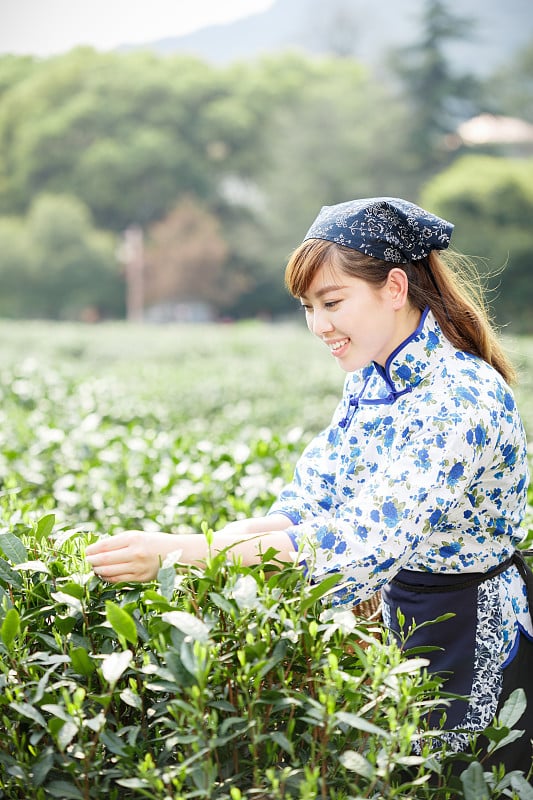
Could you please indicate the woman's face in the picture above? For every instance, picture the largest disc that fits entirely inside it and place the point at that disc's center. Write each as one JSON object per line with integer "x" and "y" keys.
{"x": 356, "y": 320}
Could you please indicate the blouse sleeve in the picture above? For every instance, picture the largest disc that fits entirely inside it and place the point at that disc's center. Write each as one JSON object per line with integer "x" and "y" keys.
{"x": 471, "y": 458}
{"x": 309, "y": 494}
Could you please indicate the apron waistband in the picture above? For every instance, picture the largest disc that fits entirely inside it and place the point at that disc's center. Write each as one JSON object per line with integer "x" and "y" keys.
{"x": 517, "y": 559}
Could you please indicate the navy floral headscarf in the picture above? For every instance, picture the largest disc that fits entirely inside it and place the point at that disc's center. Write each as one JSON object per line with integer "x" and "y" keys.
{"x": 387, "y": 228}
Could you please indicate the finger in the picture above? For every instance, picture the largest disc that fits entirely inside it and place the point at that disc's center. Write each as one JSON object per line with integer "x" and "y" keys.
{"x": 107, "y": 545}
{"x": 104, "y": 559}
{"x": 115, "y": 573}
{"x": 122, "y": 578}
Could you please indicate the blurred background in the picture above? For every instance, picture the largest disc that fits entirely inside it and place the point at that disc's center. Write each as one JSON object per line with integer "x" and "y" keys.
{"x": 156, "y": 166}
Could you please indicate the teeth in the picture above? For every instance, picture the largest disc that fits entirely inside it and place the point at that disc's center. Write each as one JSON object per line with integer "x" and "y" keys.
{"x": 337, "y": 345}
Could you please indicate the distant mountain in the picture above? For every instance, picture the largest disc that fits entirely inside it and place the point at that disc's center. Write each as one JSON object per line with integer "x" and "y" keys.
{"x": 364, "y": 29}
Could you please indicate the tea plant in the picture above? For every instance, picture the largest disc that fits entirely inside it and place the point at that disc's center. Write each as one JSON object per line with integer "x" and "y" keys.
{"x": 227, "y": 682}
{"x": 230, "y": 682}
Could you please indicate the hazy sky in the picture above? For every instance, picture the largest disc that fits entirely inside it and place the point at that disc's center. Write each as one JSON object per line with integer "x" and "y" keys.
{"x": 46, "y": 27}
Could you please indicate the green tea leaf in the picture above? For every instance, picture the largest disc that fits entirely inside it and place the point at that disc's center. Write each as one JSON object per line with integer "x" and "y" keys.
{"x": 409, "y": 666}
{"x": 514, "y": 707}
{"x": 319, "y": 591}
{"x": 67, "y": 599}
{"x": 10, "y": 627}
{"x": 355, "y": 762}
{"x": 66, "y": 734}
{"x": 131, "y": 698}
{"x": 74, "y": 589}
{"x": 474, "y": 784}
{"x": 45, "y": 527}
{"x": 97, "y": 723}
{"x": 168, "y": 578}
{"x": 13, "y": 548}
{"x": 188, "y": 624}
{"x": 33, "y": 566}
{"x": 42, "y": 767}
{"x": 57, "y": 710}
{"x": 63, "y": 790}
{"x": 190, "y": 659}
{"x": 115, "y": 664}
{"x": 8, "y": 575}
{"x": 30, "y": 712}
{"x": 114, "y": 743}
{"x": 220, "y": 602}
{"x": 133, "y": 783}
{"x": 121, "y": 622}
{"x": 511, "y": 736}
{"x": 522, "y": 787}
{"x": 282, "y": 741}
{"x": 361, "y": 724}
{"x": 81, "y": 662}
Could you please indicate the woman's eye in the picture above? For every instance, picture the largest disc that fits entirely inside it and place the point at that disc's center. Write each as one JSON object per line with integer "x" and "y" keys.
{"x": 332, "y": 303}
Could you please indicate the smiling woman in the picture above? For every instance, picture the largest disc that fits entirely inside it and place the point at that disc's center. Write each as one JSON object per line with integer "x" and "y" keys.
{"x": 418, "y": 486}
{"x": 359, "y": 323}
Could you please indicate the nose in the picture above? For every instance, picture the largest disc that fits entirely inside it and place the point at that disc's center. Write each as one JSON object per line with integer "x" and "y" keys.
{"x": 320, "y": 322}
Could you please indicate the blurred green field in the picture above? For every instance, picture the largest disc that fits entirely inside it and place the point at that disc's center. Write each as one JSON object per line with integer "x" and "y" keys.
{"x": 253, "y": 372}
{"x": 117, "y": 426}
{"x": 246, "y": 373}
{"x": 189, "y": 398}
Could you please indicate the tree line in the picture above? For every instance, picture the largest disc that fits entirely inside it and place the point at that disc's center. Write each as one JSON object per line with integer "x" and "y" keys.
{"x": 222, "y": 169}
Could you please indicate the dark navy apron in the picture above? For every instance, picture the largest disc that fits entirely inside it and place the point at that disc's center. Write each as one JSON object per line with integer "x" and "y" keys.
{"x": 422, "y": 597}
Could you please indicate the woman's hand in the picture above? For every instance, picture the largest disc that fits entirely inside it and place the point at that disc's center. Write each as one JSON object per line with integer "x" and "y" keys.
{"x": 131, "y": 556}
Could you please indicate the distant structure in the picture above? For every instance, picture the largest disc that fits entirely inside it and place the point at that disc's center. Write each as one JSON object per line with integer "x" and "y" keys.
{"x": 493, "y": 129}
{"x": 131, "y": 254}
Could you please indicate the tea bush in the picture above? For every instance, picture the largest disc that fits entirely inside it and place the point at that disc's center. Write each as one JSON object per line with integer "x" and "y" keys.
{"x": 231, "y": 682}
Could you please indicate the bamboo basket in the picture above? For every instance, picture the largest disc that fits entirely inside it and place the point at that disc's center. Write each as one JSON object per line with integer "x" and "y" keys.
{"x": 370, "y": 611}
{"x": 370, "y": 608}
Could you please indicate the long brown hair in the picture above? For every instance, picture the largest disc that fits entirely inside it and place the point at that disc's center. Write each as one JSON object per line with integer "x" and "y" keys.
{"x": 446, "y": 282}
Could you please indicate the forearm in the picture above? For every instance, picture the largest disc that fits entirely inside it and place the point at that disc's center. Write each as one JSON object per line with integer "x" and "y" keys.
{"x": 254, "y": 525}
{"x": 137, "y": 556}
{"x": 247, "y": 548}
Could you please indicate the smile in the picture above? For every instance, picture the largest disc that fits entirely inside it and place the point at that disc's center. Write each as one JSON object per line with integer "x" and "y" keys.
{"x": 335, "y": 347}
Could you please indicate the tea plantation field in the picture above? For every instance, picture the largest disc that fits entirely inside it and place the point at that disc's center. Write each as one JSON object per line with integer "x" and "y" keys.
{"x": 231, "y": 683}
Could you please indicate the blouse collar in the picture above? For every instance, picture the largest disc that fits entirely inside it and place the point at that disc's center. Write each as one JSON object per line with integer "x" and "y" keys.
{"x": 408, "y": 364}
{"x": 405, "y": 368}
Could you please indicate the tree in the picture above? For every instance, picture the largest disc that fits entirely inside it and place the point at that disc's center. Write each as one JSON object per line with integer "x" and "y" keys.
{"x": 14, "y": 69}
{"x": 184, "y": 259}
{"x": 260, "y": 147}
{"x": 55, "y": 264}
{"x": 339, "y": 134}
{"x": 129, "y": 134}
{"x": 510, "y": 89}
{"x": 437, "y": 97}
{"x": 491, "y": 201}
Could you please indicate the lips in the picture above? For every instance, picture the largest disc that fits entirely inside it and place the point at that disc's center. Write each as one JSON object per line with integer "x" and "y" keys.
{"x": 338, "y": 347}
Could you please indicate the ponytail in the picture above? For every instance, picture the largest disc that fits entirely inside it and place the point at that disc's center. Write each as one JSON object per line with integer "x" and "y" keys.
{"x": 449, "y": 284}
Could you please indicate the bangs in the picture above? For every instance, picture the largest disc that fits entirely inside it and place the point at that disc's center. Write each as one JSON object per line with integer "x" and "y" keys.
{"x": 304, "y": 264}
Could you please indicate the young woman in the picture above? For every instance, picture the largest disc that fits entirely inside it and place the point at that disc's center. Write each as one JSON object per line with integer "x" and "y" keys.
{"x": 418, "y": 486}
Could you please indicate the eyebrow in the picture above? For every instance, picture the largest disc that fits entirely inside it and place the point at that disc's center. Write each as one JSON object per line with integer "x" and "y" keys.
{"x": 334, "y": 287}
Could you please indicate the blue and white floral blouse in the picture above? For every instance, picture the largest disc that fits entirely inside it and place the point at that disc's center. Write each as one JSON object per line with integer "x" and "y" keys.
{"x": 423, "y": 467}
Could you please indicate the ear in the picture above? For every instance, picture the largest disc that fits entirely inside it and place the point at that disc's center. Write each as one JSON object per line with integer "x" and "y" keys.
{"x": 397, "y": 287}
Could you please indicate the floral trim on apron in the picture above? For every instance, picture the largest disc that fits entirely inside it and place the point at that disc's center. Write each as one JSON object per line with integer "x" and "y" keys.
{"x": 468, "y": 645}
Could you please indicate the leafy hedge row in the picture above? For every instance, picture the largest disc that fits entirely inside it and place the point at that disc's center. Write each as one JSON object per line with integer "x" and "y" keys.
{"x": 225, "y": 683}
